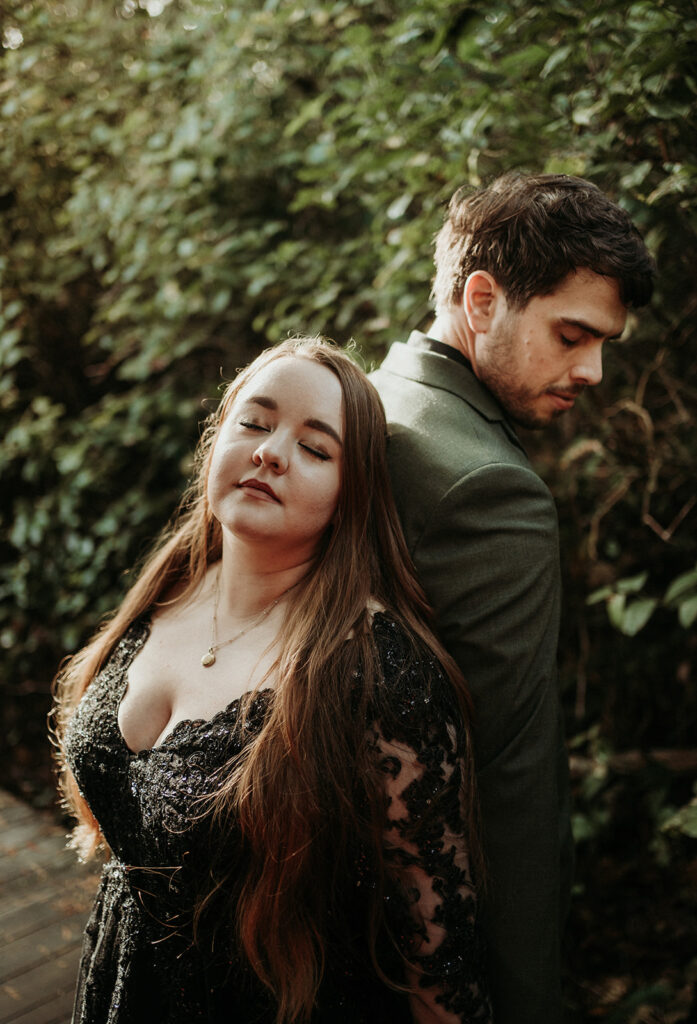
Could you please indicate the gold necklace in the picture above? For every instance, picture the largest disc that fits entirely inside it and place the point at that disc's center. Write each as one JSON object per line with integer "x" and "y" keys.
{"x": 208, "y": 658}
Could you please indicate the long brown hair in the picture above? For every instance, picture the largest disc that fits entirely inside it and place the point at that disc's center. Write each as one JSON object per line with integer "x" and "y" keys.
{"x": 305, "y": 787}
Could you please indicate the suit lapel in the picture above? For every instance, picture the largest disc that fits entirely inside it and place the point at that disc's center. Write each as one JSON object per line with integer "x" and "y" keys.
{"x": 438, "y": 371}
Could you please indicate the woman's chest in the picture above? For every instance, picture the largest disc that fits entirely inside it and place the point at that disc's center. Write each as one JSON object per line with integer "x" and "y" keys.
{"x": 170, "y": 681}
{"x": 146, "y": 803}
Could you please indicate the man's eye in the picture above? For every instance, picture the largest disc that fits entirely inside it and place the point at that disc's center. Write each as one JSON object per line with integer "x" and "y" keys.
{"x": 569, "y": 342}
{"x": 314, "y": 451}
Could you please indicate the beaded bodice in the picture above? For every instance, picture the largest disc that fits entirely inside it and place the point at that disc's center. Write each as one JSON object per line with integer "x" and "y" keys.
{"x": 139, "y": 961}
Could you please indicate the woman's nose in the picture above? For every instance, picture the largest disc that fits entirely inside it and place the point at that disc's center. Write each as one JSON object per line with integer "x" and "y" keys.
{"x": 270, "y": 453}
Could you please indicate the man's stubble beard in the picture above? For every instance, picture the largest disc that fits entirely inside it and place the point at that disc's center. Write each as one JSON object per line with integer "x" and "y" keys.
{"x": 516, "y": 399}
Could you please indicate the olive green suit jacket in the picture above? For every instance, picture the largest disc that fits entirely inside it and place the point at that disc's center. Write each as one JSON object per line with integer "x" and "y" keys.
{"x": 482, "y": 529}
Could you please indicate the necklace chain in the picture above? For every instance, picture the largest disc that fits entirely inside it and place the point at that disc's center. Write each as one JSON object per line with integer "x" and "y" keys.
{"x": 208, "y": 658}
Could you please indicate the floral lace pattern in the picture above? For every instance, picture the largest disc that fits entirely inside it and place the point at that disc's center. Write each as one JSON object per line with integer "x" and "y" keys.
{"x": 137, "y": 963}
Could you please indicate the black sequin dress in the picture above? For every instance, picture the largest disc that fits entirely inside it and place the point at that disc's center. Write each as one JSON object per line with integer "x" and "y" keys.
{"x": 139, "y": 964}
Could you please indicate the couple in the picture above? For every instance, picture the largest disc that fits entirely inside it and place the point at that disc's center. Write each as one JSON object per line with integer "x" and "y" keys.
{"x": 268, "y": 734}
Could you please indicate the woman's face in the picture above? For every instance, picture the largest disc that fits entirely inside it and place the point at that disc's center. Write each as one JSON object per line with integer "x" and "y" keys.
{"x": 276, "y": 466}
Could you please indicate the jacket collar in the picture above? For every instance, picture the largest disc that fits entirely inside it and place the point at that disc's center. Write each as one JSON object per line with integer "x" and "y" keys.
{"x": 414, "y": 361}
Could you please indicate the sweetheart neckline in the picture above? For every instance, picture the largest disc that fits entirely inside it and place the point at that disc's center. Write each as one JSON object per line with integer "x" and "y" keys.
{"x": 197, "y": 723}
{"x": 169, "y": 735}
{"x": 144, "y": 623}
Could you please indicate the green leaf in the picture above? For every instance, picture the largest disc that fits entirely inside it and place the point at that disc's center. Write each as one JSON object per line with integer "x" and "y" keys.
{"x": 399, "y": 207}
{"x": 560, "y": 54}
{"x": 615, "y": 610}
{"x": 638, "y": 174}
{"x": 637, "y": 614}
{"x": 684, "y": 820}
{"x": 632, "y": 584}
{"x": 183, "y": 172}
{"x": 683, "y": 584}
{"x": 688, "y": 612}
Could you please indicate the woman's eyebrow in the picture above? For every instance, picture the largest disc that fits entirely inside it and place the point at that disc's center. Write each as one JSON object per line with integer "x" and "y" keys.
{"x": 263, "y": 401}
{"x": 314, "y": 424}
{"x": 324, "y": 428}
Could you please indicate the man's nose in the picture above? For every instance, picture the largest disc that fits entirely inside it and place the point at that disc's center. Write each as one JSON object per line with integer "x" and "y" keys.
{"x": 588, "y": 369}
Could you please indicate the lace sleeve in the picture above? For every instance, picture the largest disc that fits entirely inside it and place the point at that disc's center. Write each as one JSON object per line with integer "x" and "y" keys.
{"x": 431, "y": 907}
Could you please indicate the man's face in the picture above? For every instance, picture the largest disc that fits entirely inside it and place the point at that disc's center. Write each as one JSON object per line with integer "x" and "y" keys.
{"x": 538, "y": 359}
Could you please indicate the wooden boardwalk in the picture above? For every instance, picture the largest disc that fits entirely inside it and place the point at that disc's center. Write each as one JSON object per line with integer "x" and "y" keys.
{"x": 45, "y": 895}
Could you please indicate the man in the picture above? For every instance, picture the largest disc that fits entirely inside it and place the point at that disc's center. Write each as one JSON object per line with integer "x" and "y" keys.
{"x": 533, "y": 276}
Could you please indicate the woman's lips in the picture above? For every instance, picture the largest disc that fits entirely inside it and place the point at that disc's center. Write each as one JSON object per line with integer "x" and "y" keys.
{"x": 260, "y": 487}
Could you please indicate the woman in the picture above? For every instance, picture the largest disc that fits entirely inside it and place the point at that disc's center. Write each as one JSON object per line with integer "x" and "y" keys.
{"x": 266, "y": 736}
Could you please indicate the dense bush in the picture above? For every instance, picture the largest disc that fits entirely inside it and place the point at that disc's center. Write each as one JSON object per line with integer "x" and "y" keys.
{"x": 183, "y": 183}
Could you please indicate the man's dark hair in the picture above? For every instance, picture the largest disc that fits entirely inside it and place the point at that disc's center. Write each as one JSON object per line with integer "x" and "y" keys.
{"x": 531, "y": 231}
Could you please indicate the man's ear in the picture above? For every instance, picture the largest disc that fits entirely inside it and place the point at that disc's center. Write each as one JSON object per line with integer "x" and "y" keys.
{"x": 479, "y": 299}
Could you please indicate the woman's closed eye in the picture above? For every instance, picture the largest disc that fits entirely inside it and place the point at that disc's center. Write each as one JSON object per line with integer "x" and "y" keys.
{"x": 324, "y": 456}
{"x": 317, "y": 453}
{"x": 253, "y": 426}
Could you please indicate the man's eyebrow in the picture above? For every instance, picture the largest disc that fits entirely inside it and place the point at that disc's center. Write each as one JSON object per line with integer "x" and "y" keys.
{"x": 593, "y": 331}
{"x": 314, "y": 424}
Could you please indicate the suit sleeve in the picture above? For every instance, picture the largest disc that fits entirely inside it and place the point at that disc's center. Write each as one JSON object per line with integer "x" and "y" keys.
{"x": 488, "y": 560}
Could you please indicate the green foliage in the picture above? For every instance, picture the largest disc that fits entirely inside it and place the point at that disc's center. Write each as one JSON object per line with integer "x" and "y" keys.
{"x": 629, "y": 616}
{"x": 684, "y": 819}
{"x": 682, "y": 594}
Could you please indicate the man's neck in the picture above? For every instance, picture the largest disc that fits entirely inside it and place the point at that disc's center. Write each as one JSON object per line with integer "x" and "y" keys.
{"x": 452, "y": 330}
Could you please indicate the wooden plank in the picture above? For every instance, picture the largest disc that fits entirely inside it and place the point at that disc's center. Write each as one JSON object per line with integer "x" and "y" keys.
{"x": 34, "y": 904}
{"x": 31, "y": 909}
{"x": 44, "y": 903}
{"x": 15, "y": 814}
{"x": 39, "y": 986}
{"x": 44, "y": 857}
{"x": 58, "y": 1011}
{"x": 7, "y": 801}
{"x": 21, "y": 835}
{"x": 52, "y": 940}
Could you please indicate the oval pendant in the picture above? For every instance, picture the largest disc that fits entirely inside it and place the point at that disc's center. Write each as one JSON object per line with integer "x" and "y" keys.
{"x": 208, "y": 659}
